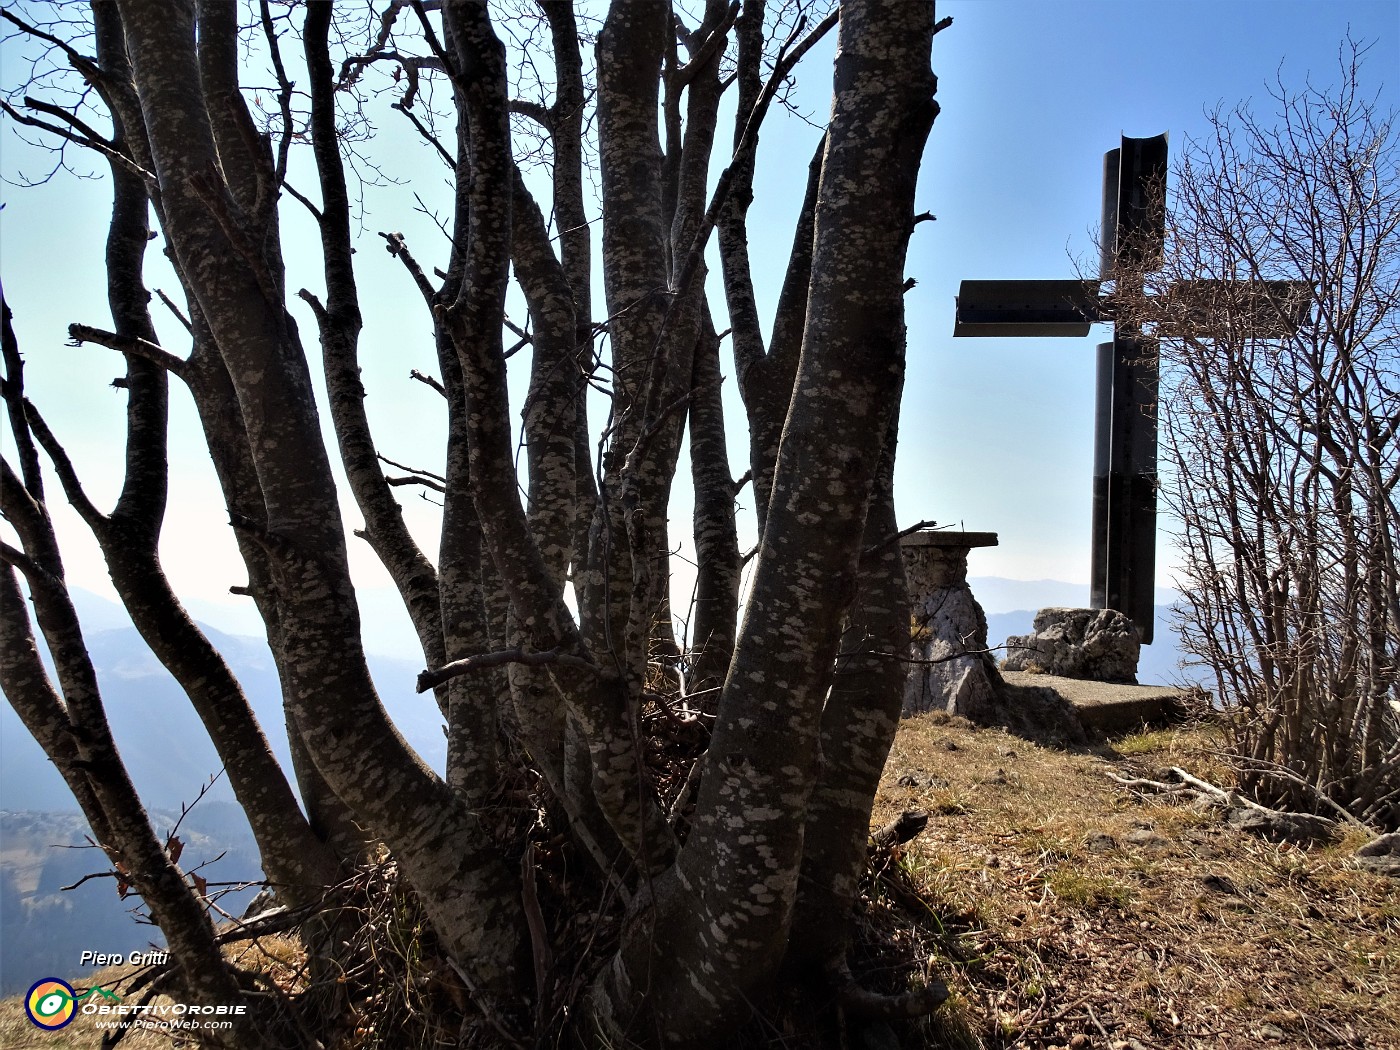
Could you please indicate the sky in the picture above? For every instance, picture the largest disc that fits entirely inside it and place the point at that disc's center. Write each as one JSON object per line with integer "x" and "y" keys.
{"x": 996, "y": 433}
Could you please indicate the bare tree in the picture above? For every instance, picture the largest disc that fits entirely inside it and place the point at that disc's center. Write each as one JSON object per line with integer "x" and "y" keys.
{"x": 748, "y": 878}
{"x": 1278, "y": 314}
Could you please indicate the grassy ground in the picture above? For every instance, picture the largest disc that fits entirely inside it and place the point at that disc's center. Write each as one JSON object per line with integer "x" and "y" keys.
{"x": 1067, "y": 911}
{"x": 1064, "y": 910}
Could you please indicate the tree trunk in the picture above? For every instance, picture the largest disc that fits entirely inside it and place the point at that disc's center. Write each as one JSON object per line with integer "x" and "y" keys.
{"x": 718, "y": 928}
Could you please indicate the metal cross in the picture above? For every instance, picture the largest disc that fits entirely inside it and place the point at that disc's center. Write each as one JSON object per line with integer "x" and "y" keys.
{"x": 1123, "y": 546}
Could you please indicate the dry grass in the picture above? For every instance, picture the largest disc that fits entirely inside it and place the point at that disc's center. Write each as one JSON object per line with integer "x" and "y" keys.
{"x": 1061, "y": 910}
{"x": 1068, "y": 911}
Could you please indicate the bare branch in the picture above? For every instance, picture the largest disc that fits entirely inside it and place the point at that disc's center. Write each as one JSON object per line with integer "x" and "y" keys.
{"x": 137, "y": 347}
{"x": 430, "y": 678}
{"x": 179, "y": 314}
{"x": 96, "y": 145}
{"x": 428, "y": 380}
{"x": 63, "y": 466}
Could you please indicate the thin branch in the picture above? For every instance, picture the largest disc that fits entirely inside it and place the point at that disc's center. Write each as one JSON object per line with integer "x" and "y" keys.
{"x": 284, "y": 90}
{"x": 916, "y": 527}
{"x": 411, "y": 470}
{"x": 428, "y": 483}
{"x": 24, "y": 563}
{"x": 396, "y": 246}
{"x": 536, "y": 112}
{"x": 70, "y": 119}
{"x": 426, "y": 133}
{"x": 430, "y": 678}
{"x": 86, "y": 878}
{"x": 97, "y": 146}
{"x": 133, "y": 345}
{"x": 429, "y": 34}
{"x": 708, "y": 47}
{"x": 428, "y": 380}
{"x": 67, "y": 476}
{"x": 305, "y": 201}
{"x": 912, "y": 662}
{"x": 179, "y": 315}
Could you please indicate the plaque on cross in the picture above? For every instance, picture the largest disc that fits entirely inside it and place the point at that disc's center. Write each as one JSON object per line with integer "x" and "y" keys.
{"x": 1123, "y": 545}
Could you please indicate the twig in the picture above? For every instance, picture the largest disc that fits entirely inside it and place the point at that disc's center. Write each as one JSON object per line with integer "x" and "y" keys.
{"x": 534, "y": 920}
{"x": 918, "y": 526}
{"x": 429, "y": 678}
{"x": 1093, "y": 1017}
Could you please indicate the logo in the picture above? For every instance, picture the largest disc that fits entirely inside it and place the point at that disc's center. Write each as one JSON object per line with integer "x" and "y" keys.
{"x": 50, "y": 1003}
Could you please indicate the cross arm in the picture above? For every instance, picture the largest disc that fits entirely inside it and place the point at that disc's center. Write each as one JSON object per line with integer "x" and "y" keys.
{"x": 1027, "y": 308}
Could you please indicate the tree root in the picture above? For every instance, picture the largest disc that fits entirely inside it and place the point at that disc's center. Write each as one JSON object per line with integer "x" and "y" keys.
{"x": 862, "y": 1003}
{"x": 900, "y": 830}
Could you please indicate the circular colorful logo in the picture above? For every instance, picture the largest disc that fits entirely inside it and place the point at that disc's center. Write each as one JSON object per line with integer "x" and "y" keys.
{"x": 50, "y": 1003}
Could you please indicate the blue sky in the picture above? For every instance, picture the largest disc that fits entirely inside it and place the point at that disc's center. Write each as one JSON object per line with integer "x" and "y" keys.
{"x": 996, "y": 433}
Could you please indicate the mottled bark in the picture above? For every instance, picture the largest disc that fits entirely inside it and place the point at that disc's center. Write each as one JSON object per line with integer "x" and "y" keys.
{"x": 465, "y": 887}
{"x": 548, "y": 414}
{"x": 630, "y": 49}
{"x": 857, "y": 728}
{"x": 720, "y": 922}
{"x": 766, "y": 377}
{"x": 598, "y": 699}
{"x": 775, "y": 840}
{"x": 339, "y": 323}
{"x": 575, "y": 248}
{"x": 714, "y": 616}
{"x": 129, "y": 536}
{"x": 26, "y": 685}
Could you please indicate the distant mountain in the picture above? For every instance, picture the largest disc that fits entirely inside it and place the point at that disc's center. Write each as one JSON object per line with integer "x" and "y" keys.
{"x": 170, "y": 757}
{"x": 996, "y": 594}
{"x": 166, "y": 749}
{"x": 44, "y": 928}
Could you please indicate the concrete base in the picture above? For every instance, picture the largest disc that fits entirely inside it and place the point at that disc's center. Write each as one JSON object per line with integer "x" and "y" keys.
{"x": 1109, "y": 707}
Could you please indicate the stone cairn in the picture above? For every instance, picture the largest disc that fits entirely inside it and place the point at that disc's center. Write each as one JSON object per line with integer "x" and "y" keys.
{"x": 952, "y": 669}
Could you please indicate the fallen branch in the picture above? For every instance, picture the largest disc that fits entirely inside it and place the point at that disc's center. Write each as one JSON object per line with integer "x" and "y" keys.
{"x": 1275, "y": 822}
